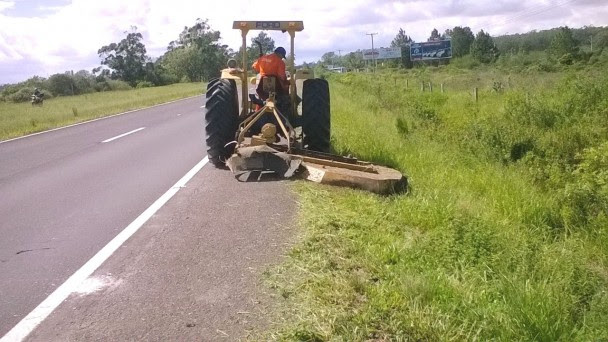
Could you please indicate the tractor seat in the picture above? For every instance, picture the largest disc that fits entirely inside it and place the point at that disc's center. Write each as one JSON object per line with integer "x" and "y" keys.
{"x": 267, "y": 85}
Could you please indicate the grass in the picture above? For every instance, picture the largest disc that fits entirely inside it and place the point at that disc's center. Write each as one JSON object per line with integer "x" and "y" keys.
{"x": 479, "y": 250}
{"x": 17, "y": 119}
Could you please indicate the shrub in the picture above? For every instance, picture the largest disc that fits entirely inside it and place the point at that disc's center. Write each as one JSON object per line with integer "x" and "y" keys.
{"x": 465, "y": 62}
{"x": 144, "y": 84}
{"x": 118, "y": 85}
{"x": 586, "y": 199}
{"x": 566, "y": 59}
{"x": 24, "y": 95}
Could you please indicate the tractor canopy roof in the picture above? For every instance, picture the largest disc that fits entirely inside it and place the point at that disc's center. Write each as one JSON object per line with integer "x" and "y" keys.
{"x": 269, "y": 25}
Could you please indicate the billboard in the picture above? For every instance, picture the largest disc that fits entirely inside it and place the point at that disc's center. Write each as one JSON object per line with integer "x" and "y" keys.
{"x": 439, "y": 49}
{"x": 382, "y": 53}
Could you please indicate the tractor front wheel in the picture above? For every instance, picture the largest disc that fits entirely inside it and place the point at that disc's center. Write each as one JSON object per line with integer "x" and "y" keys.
{"x": 221, "y": 119}
{"x": 316, "y": 122}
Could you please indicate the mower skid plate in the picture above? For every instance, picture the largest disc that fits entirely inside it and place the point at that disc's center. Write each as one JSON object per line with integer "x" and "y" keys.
{"x": 377, "y": 179}
{"x": 317, "y": 167}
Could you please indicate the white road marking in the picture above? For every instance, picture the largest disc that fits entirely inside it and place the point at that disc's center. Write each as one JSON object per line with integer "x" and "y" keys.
{"x": 123, "y": 135}
{"x": 203, "y": 106}
{"x": 179, "y": 115}
{"x": 20, "y": 331}
{"x": 95, "y": 284}
{"x": 98, "y": 119}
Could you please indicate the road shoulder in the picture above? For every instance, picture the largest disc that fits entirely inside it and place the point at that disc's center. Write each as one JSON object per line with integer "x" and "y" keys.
{"x": 193, "y": 272}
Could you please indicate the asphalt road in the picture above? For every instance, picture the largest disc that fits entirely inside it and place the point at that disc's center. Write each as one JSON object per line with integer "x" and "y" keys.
{"x": 65, "y": 194}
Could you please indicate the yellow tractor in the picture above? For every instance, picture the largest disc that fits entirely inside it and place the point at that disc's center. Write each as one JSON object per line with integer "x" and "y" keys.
{"x": 261, "y": 132}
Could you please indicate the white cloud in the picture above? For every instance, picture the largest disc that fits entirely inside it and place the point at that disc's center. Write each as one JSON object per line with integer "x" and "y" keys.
{"x": 4, "y": 5}
{"x": 68, "y": 37}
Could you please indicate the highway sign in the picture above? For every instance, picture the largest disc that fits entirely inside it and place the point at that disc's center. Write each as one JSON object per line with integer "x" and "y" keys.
{"x": 439, "y": 49}
{"x": 382, "y": 53}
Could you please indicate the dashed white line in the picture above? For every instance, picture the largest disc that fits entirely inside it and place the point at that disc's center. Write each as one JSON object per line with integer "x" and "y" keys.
{"x": 44, "y": 309}
{"x": 123, "y": 135}
{"x": 98, "y": 119}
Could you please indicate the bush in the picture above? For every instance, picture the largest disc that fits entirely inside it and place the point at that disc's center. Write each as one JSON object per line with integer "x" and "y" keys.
{"x": 144, "y": 84}
{"x": 61, "y": 84}
{"x": 25, "y": 95}
{"x": 465, "y": 62}
{"x": 586, "y": 199}
{"x": 118, "y": 85}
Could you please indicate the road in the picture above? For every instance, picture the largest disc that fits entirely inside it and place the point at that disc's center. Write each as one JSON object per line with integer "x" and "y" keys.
{"x": 67, "y": 193}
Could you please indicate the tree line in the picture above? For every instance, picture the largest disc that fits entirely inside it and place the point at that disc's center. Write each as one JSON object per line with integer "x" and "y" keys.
{"x": 558, "y": 46}
{"x": 197, "y": 55}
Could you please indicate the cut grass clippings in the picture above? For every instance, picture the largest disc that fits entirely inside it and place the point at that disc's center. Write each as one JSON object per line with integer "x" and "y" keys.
{"x": 477, "y": 251}
{"x": 17, "y": 119}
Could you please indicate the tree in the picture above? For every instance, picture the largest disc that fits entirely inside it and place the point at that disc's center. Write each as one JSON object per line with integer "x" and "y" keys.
{"x": 403, "y": 41}
{"x": 354, "y": 60}
{"x": 61, "y": 84}
{"x": 198, "y": 35}
{"x": 328, "y": 58}
{"x": 253, "y": 50}
{"x": 197, "y": 54}
{"x": 600, "y": 41}
{"x": 84, "y": 82}
{"x": 563, "y": 43}
{"x": 184, "y": 63}
{"x": 434, "y": 35}
{"x": 462, "y": 38}
{"x": 265, "y": 40}
{"x": 126, "y": 59}
{"x": 483, "y": 48}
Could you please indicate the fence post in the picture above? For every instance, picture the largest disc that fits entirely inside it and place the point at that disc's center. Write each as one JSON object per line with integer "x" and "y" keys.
{"x": 407, "y": 83}
{"x": 431, "y": 87}
{"x": 475, "y": 94}
{"x": 422, "y": 87}
{"x": 442, "y": 88}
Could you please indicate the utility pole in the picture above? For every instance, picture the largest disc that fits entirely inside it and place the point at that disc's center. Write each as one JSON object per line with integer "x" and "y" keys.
{"x": 373, "y": 54}
{"x": 340, "y": 56}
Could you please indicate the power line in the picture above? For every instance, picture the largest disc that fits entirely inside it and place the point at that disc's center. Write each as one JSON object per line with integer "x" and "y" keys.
{"x": 530, "y": 12}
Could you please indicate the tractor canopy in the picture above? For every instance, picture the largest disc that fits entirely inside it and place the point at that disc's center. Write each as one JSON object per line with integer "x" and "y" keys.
{"x": 269, "y": 25}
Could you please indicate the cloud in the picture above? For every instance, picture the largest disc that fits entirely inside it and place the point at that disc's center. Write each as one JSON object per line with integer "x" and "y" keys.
{"x": 65, "y": 35}
{"x": 4, "y": 5}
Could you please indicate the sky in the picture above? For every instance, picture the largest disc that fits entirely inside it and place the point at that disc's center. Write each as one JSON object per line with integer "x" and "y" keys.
{"x": 44, "y": 37}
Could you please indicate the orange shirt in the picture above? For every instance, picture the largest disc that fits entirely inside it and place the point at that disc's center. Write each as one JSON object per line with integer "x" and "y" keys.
{"x": 270, "y": 65}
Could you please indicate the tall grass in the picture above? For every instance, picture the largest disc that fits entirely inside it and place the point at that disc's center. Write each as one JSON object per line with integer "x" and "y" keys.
{"x": 485, "y": 247}
{"x": 18, "y": 119}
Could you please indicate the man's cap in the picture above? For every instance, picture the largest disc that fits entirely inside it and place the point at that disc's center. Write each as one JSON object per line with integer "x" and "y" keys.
{"x": 280, "y": 51}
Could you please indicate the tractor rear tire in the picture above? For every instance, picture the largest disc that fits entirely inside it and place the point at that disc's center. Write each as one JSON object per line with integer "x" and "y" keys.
{"x": 316, "y": 123}
{"x": 221, "y": 119}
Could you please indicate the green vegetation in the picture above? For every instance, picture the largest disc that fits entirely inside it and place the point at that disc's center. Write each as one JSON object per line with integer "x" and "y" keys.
{"x": 195, "y": 56}
{"x": 546, "y": 50}
{"x": 504, "y": 235}
{"x": 17, "y": 119}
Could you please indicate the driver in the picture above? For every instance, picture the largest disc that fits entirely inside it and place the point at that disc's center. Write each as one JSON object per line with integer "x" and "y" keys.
{"x": 273, "y": 65}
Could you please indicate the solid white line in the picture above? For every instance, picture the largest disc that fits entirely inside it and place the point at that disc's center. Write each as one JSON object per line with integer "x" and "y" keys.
{"x": 98, "y": 119}
{"x": 123, "y": 135}
{"x": 44, "y": 309}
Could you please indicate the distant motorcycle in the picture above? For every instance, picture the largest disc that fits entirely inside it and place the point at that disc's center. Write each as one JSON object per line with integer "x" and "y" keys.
{"x": 37, "y": 99}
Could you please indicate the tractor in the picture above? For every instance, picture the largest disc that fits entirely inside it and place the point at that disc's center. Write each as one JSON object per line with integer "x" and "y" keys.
{"x": 224, "y": 118}
{"x": 274, "y": 129}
